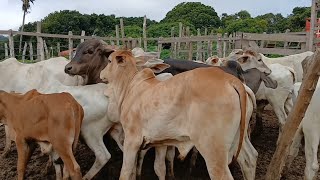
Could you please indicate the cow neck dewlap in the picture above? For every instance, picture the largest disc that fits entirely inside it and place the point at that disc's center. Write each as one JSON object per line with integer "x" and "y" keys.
{"x": 120, "y": 85}
{"x": 93, "y": 73}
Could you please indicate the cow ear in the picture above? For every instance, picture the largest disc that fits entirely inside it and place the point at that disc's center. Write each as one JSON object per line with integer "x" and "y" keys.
{"x": 106, "y": 52}
{"x": 157, "y": 68}
{"x": 243, "y": 59}
{"x": 268, "y": 82}
{"x": 120, "y": 60}
{"x": 214, "y": 60}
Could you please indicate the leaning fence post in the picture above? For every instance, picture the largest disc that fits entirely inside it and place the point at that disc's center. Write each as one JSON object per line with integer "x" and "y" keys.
{"x": 294, "y": 118}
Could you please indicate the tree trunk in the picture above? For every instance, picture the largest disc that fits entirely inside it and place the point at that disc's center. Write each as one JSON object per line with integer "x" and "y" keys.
{"x": 294, "y": 119}
{"x": 22, "y": 27}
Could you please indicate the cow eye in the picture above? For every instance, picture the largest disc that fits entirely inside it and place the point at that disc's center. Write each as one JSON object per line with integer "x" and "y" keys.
{"x": 259, "y": 60}
{"x": 89, "y": 51}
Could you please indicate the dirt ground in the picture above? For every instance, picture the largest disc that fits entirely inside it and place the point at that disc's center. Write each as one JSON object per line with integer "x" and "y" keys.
{"x": 265, "y": 145}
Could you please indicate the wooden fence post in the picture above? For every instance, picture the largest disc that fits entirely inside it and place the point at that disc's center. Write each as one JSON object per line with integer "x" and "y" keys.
{"x": 31, "y": 51}
{"x": 172, "y": 44}
{"x": 117, "y": 35}
{"x": 219, "y": 45}
{"x": 199, "y": 47}
{"x": 294, "y": 119}
{"x": 24, "y": 51}
{"x": 83, "y": 33}
{"x": 70, "y": 45}
{"x": 285, "y": 46}
{"x": 140, "y": 42}
{"x": 122, "y": 31}
{"x": 39, "y": 48}
{"x": 46, "y": 49}
{"x": 160, "y": 45}
{"x": 313, "y": 21}
{"x": 188, "y": 35}
{"x": 144, "y": 33}
{"x": 11, "y": 44}
{"x": 6, "y": 53}
{"x": 58, "y": 48}
{"x": 225, "y": 44}
{"x": 190, "y": 53}
{"x": 180, "y": 35}
{"x": 262, "y": 43}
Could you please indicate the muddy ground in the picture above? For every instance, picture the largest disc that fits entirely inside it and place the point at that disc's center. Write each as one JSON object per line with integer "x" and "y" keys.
{"x": 265, "y": 145}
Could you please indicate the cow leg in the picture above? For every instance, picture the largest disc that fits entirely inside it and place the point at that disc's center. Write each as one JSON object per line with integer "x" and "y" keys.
{"x": 130, "y": 152}
{"x": 118, "y": 135}
{"x": 54, "y": 157}
{"x": 216, "y": 160}
{"x": 23, "y": 156}
{"x": 7, "y": 147}
{"x": 64, "y": 150}
{"x": 142, "y": 153}
{"x": 311, "y": 150}
{"x": 294, "y": 150}
{"x": 160, "y": 162}
{"x": 193, "y": 159}
{"x": 247, "y": 159}
{"x": 278, "y": 103}
{"x": 94, "y": 140}
{"x": 171, "y": 151}
{"x": 258, "y": 128}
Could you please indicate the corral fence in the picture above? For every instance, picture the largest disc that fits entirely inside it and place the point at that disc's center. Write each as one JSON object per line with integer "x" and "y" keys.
{"x": 180, "y": 46}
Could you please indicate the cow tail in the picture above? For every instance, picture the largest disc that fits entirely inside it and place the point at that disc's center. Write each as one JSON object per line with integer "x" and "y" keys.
{"x": 238, "y": 86}
{"x": 78, "y": 117}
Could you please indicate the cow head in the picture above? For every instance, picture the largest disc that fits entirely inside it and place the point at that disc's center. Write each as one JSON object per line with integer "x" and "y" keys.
{"x": 89, "y": 59}
{"x": 123, "y": 61}
{"x": 251, "y": 59}
{"x": 214, "y": 61}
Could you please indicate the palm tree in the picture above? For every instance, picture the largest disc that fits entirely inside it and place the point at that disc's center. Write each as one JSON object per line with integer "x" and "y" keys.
{"x": 25, "y": 8}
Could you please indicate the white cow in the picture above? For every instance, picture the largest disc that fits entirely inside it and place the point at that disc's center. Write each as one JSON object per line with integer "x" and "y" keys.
{"x": 292, "y": 61}
{"x": 309, "y": 129}
{"x": 280, "y": 98}
{"x": 19, "y": 77}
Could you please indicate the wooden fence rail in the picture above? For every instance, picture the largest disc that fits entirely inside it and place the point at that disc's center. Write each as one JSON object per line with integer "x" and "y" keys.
{"x": 184, "y": 46}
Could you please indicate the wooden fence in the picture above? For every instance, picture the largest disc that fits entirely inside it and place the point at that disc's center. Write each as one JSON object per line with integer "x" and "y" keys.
{"x": 184, "y": 46}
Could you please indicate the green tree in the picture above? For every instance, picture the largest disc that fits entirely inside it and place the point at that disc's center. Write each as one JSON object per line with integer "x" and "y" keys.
{"x": 164, "y": 29}
{"x": 243, "y": 14}
{"x": 276, "y": 22}
{"x": 247, "y": 25}
{"x": 195, "y": 13}
{"x": 297, "y": 19}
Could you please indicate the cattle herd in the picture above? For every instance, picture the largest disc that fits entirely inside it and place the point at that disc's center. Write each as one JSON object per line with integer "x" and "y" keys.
{"x": 144, "y": 102}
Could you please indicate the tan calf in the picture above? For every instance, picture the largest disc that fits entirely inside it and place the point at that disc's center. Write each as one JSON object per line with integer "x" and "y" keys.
{"x": 52, "y": 120}
{"x": 205, "y": 107}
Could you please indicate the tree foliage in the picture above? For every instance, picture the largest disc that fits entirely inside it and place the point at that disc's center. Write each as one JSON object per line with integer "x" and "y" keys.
{"x": 195, "y": 13}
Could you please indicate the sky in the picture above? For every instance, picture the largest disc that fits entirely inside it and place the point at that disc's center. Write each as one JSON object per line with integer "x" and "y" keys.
{"x": 11, "y": 13}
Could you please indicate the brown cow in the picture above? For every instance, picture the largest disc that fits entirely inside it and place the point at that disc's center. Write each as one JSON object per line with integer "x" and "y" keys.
{"x": 51, "y": 120}
{"x": 205, "y": 108}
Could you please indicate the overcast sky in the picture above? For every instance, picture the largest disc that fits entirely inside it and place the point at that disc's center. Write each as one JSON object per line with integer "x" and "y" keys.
{"x": 11, "y": 13}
